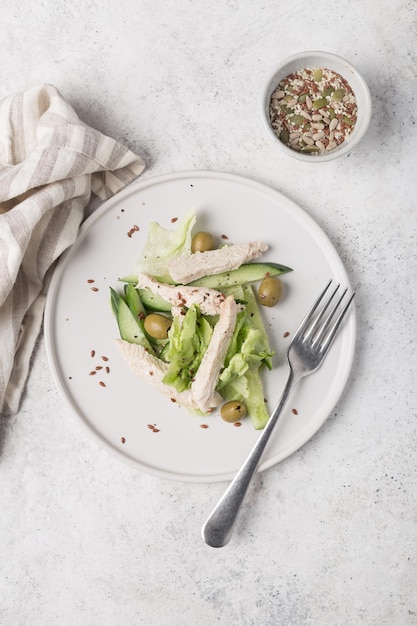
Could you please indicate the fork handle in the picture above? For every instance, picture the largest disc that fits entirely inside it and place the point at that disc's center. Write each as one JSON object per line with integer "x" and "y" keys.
{"x": 218, "y": 528}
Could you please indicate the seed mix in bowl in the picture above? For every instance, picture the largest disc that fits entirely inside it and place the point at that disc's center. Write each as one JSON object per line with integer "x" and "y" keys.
{"x": 313, "y": 110}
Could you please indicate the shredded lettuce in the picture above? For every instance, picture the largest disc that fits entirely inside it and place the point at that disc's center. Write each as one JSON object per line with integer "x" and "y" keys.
{"x": 163, "y": 245}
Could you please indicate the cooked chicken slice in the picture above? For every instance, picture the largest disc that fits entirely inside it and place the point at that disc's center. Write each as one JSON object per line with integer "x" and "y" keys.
{"x": 209, "y": 300}
{"x": 185, "y": 269}
{"x": 205, "y": 381}
{"x": 152, "y": 370}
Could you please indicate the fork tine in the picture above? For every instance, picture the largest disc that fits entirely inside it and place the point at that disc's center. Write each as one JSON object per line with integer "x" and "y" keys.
{"x": 309, "y": 315}
{"x": 318, "y": 321}
{"x": 332, "y": 333}
{"x": 325, "y": 325}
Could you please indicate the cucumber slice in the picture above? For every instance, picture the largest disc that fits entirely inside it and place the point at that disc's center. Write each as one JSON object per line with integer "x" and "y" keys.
{"x": 134, "y": 302}
{"x": 149, "y": 300}
{"x": 152, "y": 302}
{"x": 129, "y": 327}
{"x": 246, "y": 273}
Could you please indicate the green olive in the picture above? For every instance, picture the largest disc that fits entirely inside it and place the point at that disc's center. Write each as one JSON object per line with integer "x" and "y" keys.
{"x": 233, "y": 411}
{"x": 270, "y": 291}
{"x": 202, "y": 242}
{"x": 157, "y": 326}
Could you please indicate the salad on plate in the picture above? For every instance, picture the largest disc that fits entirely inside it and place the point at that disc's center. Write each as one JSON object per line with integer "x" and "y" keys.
{"x": 190, "y": 324}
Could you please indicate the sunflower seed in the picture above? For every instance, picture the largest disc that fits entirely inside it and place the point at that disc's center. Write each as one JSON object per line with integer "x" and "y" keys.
{"x": 308, "y": 140}
{"x": 334, "y": 122}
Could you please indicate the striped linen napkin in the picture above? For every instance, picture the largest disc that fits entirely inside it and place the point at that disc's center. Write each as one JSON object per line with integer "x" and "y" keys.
{"x": 51, "y": 164}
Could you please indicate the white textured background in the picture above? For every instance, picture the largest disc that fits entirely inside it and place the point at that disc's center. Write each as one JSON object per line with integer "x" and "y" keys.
{"x": 328, "y": 537}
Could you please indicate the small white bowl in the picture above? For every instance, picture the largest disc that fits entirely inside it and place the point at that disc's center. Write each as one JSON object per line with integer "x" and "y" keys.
{"x": 332, "y": 62}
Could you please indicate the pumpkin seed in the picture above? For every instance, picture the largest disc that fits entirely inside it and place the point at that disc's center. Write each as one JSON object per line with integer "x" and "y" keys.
{"x": 319, "y": 103}
{"x": 284, "y": 135}
{"x": 298, "y": 120}
{"x": 338, "y": 95}
{"x": 318, "y": 75}
{"x": 327, "y": 92}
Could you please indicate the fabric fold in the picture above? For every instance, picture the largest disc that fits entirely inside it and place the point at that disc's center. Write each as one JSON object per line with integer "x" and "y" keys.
{"x": 51, "y": 165}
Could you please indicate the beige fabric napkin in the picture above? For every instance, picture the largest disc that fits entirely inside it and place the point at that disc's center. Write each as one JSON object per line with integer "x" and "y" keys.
{"x": 50, "y": 165}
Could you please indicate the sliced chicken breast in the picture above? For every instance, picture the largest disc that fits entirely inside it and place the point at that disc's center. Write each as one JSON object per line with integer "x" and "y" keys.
{"x": 209, "y": 300}
{"x": 185, "y": 269}
{"x": 152, "y": 370}
{"x": 203, "y": 387}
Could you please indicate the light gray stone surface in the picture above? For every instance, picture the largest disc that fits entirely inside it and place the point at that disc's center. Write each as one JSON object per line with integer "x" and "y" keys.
{"x": 328, "y": 537}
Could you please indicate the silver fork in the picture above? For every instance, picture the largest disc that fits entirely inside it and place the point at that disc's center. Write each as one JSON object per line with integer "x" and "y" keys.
{"x": 306, "y": 352}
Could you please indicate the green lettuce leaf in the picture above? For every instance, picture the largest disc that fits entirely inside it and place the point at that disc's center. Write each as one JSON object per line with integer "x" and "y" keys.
{"x": 248, "y": 352}
{"x": 249, "y": 390}
{"x": 163, "y": 245}
{"x": 189, "y": 337}
{"x": 249, "y": 346}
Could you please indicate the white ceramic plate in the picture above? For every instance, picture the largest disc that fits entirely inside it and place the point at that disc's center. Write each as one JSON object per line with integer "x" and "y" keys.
{"x": 78, "y": 320}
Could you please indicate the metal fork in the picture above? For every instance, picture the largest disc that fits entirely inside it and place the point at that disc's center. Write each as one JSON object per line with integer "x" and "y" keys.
{"x": 306, "y": 352}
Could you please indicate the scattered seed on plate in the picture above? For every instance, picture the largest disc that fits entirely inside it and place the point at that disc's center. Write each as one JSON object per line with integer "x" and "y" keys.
{"x": 237, "y": 424}
{"x": 94, "y": 288}
{"x": 104, "y": 358}
{"x": 133, "y": 230}
{"x": 295, "y": 411}
{"x": 122, "y": 439}
{"x": 313, "y": 110}
{"x": 91, "y": 280}
{"x": 203, "y": 426}
{"x": 174, "y": 219}
{"x": 102, "y": 384}
{"x": 93, "y": 354}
